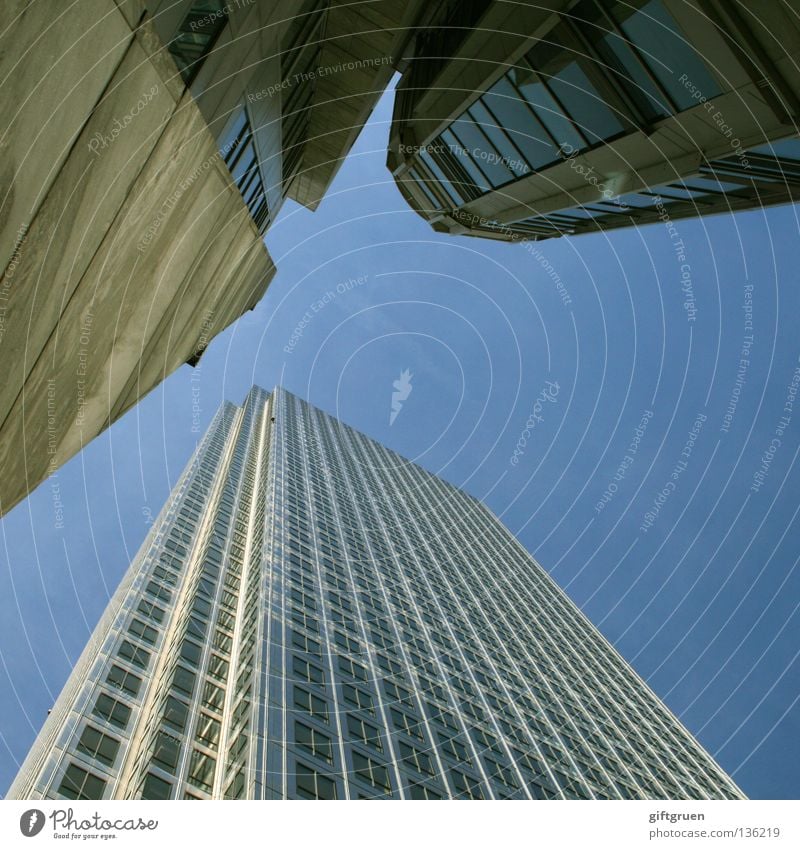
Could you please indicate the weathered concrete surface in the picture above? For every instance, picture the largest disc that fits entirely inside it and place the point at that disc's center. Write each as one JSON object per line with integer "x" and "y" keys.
{"x": 139, "y": 251}
{"x": 54, "y": 66}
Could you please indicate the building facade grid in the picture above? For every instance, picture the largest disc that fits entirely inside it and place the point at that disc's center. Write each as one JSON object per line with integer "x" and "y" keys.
{"x": 314, "y": 616}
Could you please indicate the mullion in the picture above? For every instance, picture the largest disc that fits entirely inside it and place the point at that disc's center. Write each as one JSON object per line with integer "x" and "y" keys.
{"x": 523, "y": 99}
{"x": 239, "y": 146}
{"x": 489, "y": 181}
{"x": 247, "y": 183}
{"x": 599, "y": 70}
{"x": 638, "y": 56}
{"x": 557, "y": 100}
{"x": 434, "y": 183}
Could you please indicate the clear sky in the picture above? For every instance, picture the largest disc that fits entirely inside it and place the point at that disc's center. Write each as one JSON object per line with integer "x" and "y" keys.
{"x": 542, "y": 377}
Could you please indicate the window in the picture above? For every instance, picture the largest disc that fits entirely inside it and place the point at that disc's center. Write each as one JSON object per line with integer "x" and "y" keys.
{"x": 307, "y": 671}
{"x": 175, "y": 713}
{"x": 218, "y": 668}
{"x": 148, "y": 609}
{"x": 313, "y": 741}
{"x": 404, "y": 722}
{"x": 364, "y": 733}
{"x": 196, "y": 628}
{"x": 166, "y": 750}
{"x": 659, "y": 44}
{"x": 605, "y": 68}
{"x": 420, "y": 791}
{"x": 226, "y": 620}
{"x": 311, "y": 784}
{"x": 190, "y": 652}
{"x": 166, "y": 576}
{"x": 161, "y": 593}
{"x": 126, "y": 681}
{"x": 196, "y": 36}
{"x": 201, "y": 770}
{"x": 222, "y": 642}
{"x": 236, "y": 787}
{"x": 144, "y": 632}
{"x": 154, "y": 787}
{"x": 208, "y": 730}
{"x": 453, "y": 747}
{"x": 371, "y": 771}
{"x": 305, "y": 643}
{"x": 397, "y": 693}
{"x": 134, "y": 655}
{"x": 77, "y": 783}
{"x": 213, "y": 696}
{"x": 97, "y": 745}
{"x": 465, "y": 785}
{"x": 112, "y": 710}
{"x": 305, "y": 620}
{"x": 241, "y": 157}
{"x": 485, "y": 740}
{"x": 347, "y": 643}
{"x": 389, "y": 665}
{"x": 500, "y": 772}
{"x": 353, "y": 669}
{"x": 420, "y": 761}
{"x": 310, "y": 703}
{"x": 183, "y": 680}
{"x": 357, "y": 698}
{"x": 238, "y": 746}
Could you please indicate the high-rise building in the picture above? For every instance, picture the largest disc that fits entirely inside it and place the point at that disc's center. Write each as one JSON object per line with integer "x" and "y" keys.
{"x": 532, "y": 120}
{"x": 313, "y": 616}
{"x": 149, "y": 144}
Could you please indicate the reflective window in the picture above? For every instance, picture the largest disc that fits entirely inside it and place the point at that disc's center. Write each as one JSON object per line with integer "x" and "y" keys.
{"x": 78, "y": 783}
{"x": 113, "y": 711}
{"x": 604, "y": 69}
{"x": 196, "y": 36}
{"x": 312, "y": 784}
{"x": 97, "y": 745}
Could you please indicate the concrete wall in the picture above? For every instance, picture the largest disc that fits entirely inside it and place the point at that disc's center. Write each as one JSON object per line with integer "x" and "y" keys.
{"x": 125, "y": 246}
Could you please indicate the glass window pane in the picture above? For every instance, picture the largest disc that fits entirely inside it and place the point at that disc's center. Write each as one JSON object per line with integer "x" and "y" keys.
{"x": 584, "y": 104}
{"x": 465, "y": 160}
{"x": 176, "y": 713}
{"x": 201, "y": 770}
{"x": 786, "y": 149}
{"x": 512, "y": 157}
{"x": 166, "y": 750}
{"x": 451, "y": 190}
{"x": 154, "y": 787}
{"x": 627, "y": 69}
{"x": 482, "y": 151}
{"x": 664, "y": 47}
{"x": 547, "y": 110}
{"x": 422, "y": 183}
{"x": 80, "y": 784}
{"x": 112, "y": 711}
{"x": 703, "y": 184}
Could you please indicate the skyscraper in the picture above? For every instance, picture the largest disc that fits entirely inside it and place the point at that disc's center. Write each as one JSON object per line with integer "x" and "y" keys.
{"x": 313, "y": 616}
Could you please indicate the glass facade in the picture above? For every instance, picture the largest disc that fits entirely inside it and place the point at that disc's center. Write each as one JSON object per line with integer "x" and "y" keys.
{"x": 604, "y": 70}
{"x": 769, "y": 173}
{"x": 315, "y": 617}
{"x": 239, "y": 153}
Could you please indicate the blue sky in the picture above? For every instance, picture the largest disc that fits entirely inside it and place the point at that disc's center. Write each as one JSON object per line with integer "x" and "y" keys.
{"x": 702, "y": 596}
